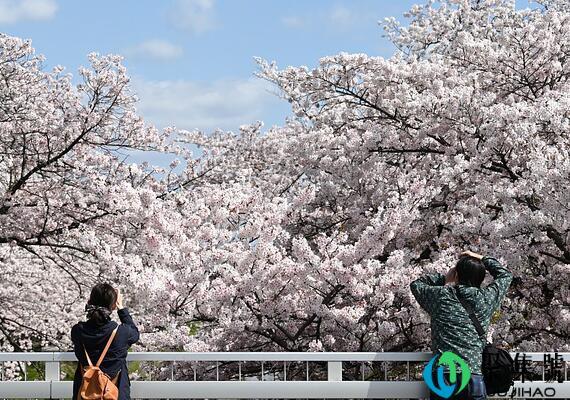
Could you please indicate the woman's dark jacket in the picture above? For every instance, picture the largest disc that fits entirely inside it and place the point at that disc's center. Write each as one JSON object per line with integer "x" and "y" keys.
{"x": 94, "y": 337}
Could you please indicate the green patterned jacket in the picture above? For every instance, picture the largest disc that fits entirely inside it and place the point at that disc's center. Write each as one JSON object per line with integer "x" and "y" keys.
{"x": 451, "y": 328}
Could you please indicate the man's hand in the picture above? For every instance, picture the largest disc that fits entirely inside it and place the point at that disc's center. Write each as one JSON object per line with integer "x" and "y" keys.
{"x": 470, "y": 253}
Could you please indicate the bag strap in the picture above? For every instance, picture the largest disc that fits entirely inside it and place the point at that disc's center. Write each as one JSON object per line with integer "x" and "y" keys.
{"x": 106, "y": 347}
{"x": 472, "y": 316}
{"x": 87, "y": 356}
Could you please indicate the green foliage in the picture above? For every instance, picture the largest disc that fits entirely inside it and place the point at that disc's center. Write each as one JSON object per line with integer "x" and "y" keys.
{"x": 68, "y": 369}
{"x": 495, "y": 317}
{"x": 194, "y": 327}
{"x": 35, "y": 371}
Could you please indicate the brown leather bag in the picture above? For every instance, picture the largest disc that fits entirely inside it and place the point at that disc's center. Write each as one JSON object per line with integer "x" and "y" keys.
{"x": 97, "y": 385}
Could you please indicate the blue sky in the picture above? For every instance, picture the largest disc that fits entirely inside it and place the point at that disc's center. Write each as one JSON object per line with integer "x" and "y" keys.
{"x": 191, "y": 61}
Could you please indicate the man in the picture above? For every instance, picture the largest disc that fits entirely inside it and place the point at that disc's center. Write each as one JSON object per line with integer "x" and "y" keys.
{"x": 451, "y": 327}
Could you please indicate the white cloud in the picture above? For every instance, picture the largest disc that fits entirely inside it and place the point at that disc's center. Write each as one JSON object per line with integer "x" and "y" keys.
{"x": 12, "y": 11}
{"x": 293, "y": 21}
{"x": 224, "y": 104}
{"x": 342, "y": 17}
{"x": 155, "y": 49}
{"x": 338, "y": 17}
{"x": 196, "y": 16}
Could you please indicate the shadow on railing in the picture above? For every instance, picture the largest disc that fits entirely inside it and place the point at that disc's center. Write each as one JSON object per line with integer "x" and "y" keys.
{"x": 255, "y": 375}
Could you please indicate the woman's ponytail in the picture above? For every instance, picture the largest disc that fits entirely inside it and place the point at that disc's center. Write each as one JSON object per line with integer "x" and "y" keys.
{"x": 101, "y": 302}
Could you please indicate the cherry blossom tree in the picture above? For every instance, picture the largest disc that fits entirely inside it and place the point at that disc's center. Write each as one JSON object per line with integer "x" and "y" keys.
{"x": 64, "y": 187}
{"x": 389, "y": 168}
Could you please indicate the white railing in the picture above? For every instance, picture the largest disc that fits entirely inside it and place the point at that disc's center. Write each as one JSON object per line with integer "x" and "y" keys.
{"x": 243, "y": 386}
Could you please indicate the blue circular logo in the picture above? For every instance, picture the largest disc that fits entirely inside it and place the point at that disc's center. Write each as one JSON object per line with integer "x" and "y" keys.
{"x": 441, "y": 388}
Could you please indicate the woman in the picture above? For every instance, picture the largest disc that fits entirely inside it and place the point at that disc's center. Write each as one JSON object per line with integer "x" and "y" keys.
{"x": 93, "y": 334}
{"x": 451, "y": 328}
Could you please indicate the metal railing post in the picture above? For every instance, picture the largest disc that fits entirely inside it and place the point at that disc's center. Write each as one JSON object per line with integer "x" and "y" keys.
{"x": 334, "y": 369}
{"x": 52, "y": 371}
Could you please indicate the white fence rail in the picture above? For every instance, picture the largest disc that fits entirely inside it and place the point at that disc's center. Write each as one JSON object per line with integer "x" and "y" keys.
{"x": 243, "y": 387}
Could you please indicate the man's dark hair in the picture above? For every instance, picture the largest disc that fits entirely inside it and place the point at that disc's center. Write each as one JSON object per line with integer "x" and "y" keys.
{"x": 470, "y": 271}
{"x": 102, "y": 295}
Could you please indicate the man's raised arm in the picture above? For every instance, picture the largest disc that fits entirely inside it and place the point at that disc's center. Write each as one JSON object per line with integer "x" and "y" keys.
{"x": 425, "y": 290}
{"x": 496, "y": 291}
